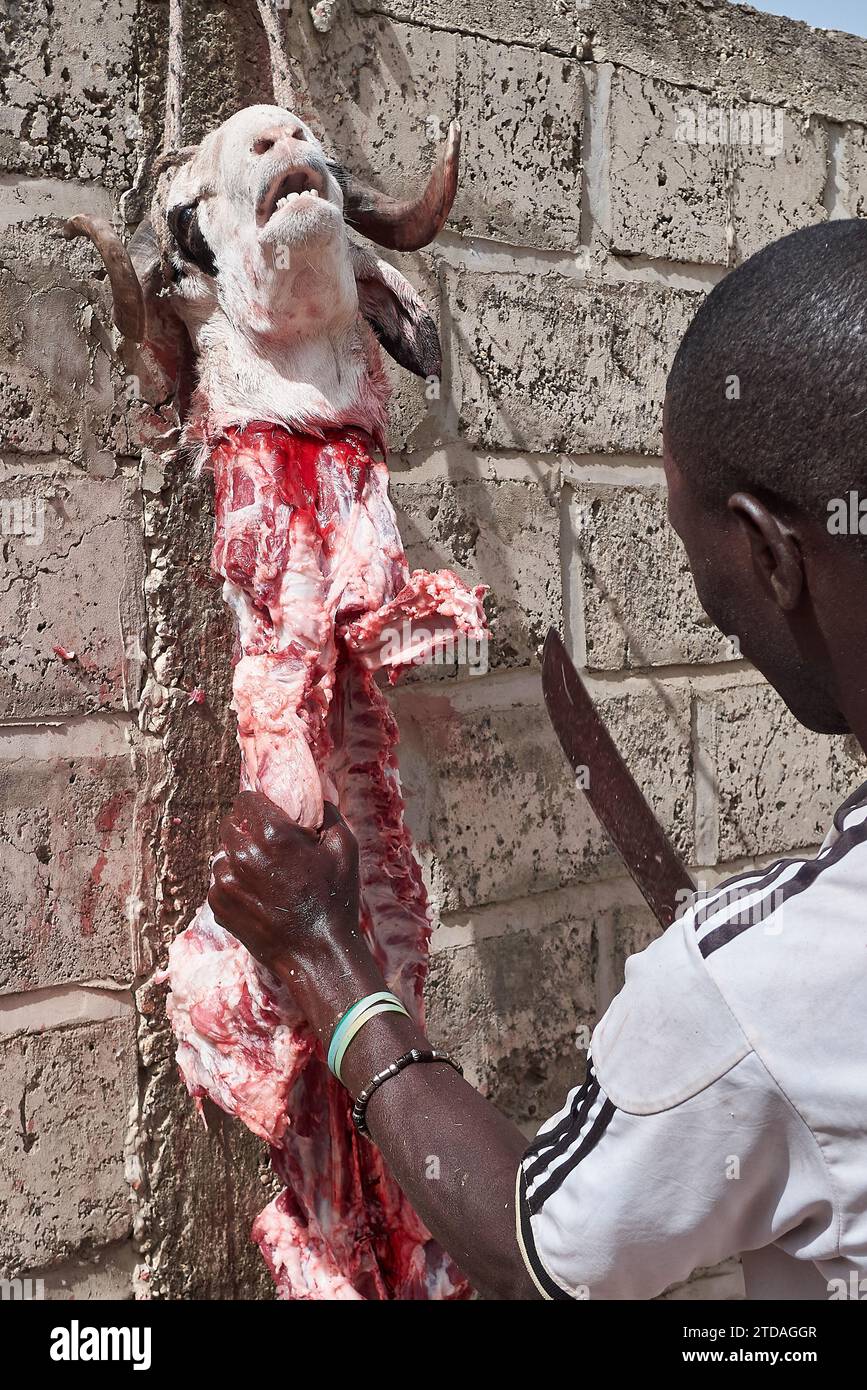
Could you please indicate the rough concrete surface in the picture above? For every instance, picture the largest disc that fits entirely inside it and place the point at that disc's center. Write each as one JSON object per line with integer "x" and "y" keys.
{"x": 619, "y": 157}
{"x": 65, "y": 1100}
{"x": 66, "y": 847}
{"x": 639, "y": 602}
{"x": 545, "y": 363}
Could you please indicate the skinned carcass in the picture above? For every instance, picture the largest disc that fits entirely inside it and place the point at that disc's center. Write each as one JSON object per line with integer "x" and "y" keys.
{"x": 254, "y": 308}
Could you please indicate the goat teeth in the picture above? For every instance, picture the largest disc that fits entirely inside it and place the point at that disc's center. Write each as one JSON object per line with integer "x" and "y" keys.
{"x": 314, "y": 192}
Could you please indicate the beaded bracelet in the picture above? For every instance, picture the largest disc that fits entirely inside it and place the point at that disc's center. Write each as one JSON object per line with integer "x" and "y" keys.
{"x": 416, "y": 1054}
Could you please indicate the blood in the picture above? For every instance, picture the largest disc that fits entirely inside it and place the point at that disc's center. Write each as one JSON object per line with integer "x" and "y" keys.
{"x": 314, "y": 571}
{"x": 105, "y": 822}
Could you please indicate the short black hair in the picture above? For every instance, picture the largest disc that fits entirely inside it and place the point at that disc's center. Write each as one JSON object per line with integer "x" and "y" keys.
{"x": 768, "y": 391}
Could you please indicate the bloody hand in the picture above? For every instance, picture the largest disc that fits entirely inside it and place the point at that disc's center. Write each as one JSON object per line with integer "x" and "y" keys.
{"x": 289, "y": 894}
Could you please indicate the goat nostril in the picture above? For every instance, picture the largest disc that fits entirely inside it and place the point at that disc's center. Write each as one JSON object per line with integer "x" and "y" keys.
{"x": 262, "y": 146}
{"x": 298, "y": 134}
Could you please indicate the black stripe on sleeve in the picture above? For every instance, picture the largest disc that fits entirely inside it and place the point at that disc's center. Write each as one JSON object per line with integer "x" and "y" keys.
{"x": 852, "y": 803}
{"x": 803, "y": 879}
{"x": 751, "y": 881}
{"x": 527, "y": 1243}
{"x": 548, "y": 1146}
{"x": 562, "y": 1171}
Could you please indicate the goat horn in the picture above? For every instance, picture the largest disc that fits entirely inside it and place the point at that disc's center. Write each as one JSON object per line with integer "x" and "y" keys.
{"x": 406, "y": 224}
{"x": 129, "y": 309}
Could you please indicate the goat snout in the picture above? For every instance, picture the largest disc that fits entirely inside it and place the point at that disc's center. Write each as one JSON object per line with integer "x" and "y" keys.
{"x": 277, "y": 135}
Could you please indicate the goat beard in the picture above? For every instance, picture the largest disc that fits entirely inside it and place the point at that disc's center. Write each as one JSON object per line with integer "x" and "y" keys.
{"x": 313, "y": 567}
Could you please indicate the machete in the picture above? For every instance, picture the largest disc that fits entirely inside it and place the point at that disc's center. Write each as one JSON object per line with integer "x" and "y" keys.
{"x": 611, "y": 790}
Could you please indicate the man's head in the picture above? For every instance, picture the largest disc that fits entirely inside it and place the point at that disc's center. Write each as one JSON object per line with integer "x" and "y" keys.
{"x": 765, "y": 426}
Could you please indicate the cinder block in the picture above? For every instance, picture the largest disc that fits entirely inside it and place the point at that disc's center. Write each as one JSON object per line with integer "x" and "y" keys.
{"x": 533, "y": 23}
{"x": 639, "y": 599}
{"x": 69, "y": 92}
{"x": 713, "y": 45}
{"x": 491, "y": 799}
{"x": 61, "y": 389}
{"x": 386, "y": 93}
{"x": 778, "y": 192}
{"x": 853, "y": 171}
{"x": 544, "y": 363}
{"x": 102, "y": 1274}
{"x": 415, "y": 403}
{"x": 65, "y": 1100}
{"x": 66, "y": 858}
{"x": 626, "y": 930}
{"x": 71, "y": 604}
{"x": 504, "y": 534}
{"x": 227, "y": 63}
{"x": 776, "y": 784}
{"x": 514, "y": 989}
{"x": 666, "y": 195}
{"x": 517, "y": 1008}
{"x": 683, "y": 163}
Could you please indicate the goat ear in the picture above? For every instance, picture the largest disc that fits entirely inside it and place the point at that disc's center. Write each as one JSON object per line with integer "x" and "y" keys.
{"x": 163, "y": 363}
{"x": 396, "y": 314}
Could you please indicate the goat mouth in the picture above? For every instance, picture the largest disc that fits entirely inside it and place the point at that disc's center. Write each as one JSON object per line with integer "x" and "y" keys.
{"x": 288, "y": 188}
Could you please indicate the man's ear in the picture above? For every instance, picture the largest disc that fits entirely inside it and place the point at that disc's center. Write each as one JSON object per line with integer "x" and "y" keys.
{"x": 775, "y": 550}
{"x": 396, "y": 314}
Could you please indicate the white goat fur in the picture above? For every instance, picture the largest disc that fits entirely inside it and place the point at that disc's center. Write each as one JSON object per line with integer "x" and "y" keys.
{"x": 280, "y": 332}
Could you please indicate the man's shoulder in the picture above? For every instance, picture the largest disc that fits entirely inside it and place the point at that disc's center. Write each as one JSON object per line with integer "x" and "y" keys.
{"x": 787, "y": 951}
{"x": 669, "y": 1033}
{"x": 762, "y": 963}
{"x": 789, "y": 895}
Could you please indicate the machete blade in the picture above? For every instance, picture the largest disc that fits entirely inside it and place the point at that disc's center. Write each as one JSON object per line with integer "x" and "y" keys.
{"x": 614, "y": 795}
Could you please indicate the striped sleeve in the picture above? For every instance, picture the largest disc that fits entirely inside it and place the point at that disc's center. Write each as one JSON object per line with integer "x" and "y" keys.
{"x": 677, "y": 1151}
{"x": 618, "y": 1206}
{"x": 556, "y": 1151}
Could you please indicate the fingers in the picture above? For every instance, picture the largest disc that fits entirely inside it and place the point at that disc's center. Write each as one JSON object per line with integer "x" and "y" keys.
{"x": 228, "y": 897}
{"x": 256, "y": 831}
{"x": 336, "y": 836}
{"x": 233, "y": 838}
{"x": 223, "y": 880}
{"x": 256, "y": 822}
{"x": 223, "y": 891}
{"x": 330, "y": 816}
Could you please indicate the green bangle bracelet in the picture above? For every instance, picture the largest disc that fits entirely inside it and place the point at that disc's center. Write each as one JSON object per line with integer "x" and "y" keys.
{"x": 355, "y": 1027}
{"x": 384, "y": 995}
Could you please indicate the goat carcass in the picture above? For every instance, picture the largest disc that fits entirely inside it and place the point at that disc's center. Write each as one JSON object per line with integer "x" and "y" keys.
{"x": 280, "y": 307}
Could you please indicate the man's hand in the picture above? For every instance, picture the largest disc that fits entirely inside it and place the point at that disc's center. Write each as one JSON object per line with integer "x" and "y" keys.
{"x": 289, "y": 894}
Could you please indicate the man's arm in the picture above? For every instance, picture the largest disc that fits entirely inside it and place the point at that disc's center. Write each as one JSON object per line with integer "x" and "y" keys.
{"x": 292, "y": 897}
{"x": 455, "y": 1156}
{"x": 679, "y": 1149}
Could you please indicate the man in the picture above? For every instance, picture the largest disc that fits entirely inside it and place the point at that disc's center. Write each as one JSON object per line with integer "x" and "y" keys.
{"x": 725, "y": 1105}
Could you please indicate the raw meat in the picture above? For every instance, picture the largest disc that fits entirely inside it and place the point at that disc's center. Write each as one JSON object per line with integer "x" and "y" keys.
{"x": 314, "y": 570}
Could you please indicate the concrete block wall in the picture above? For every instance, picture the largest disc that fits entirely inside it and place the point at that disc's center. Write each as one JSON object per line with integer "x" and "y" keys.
{"x": 598, "y": 205}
